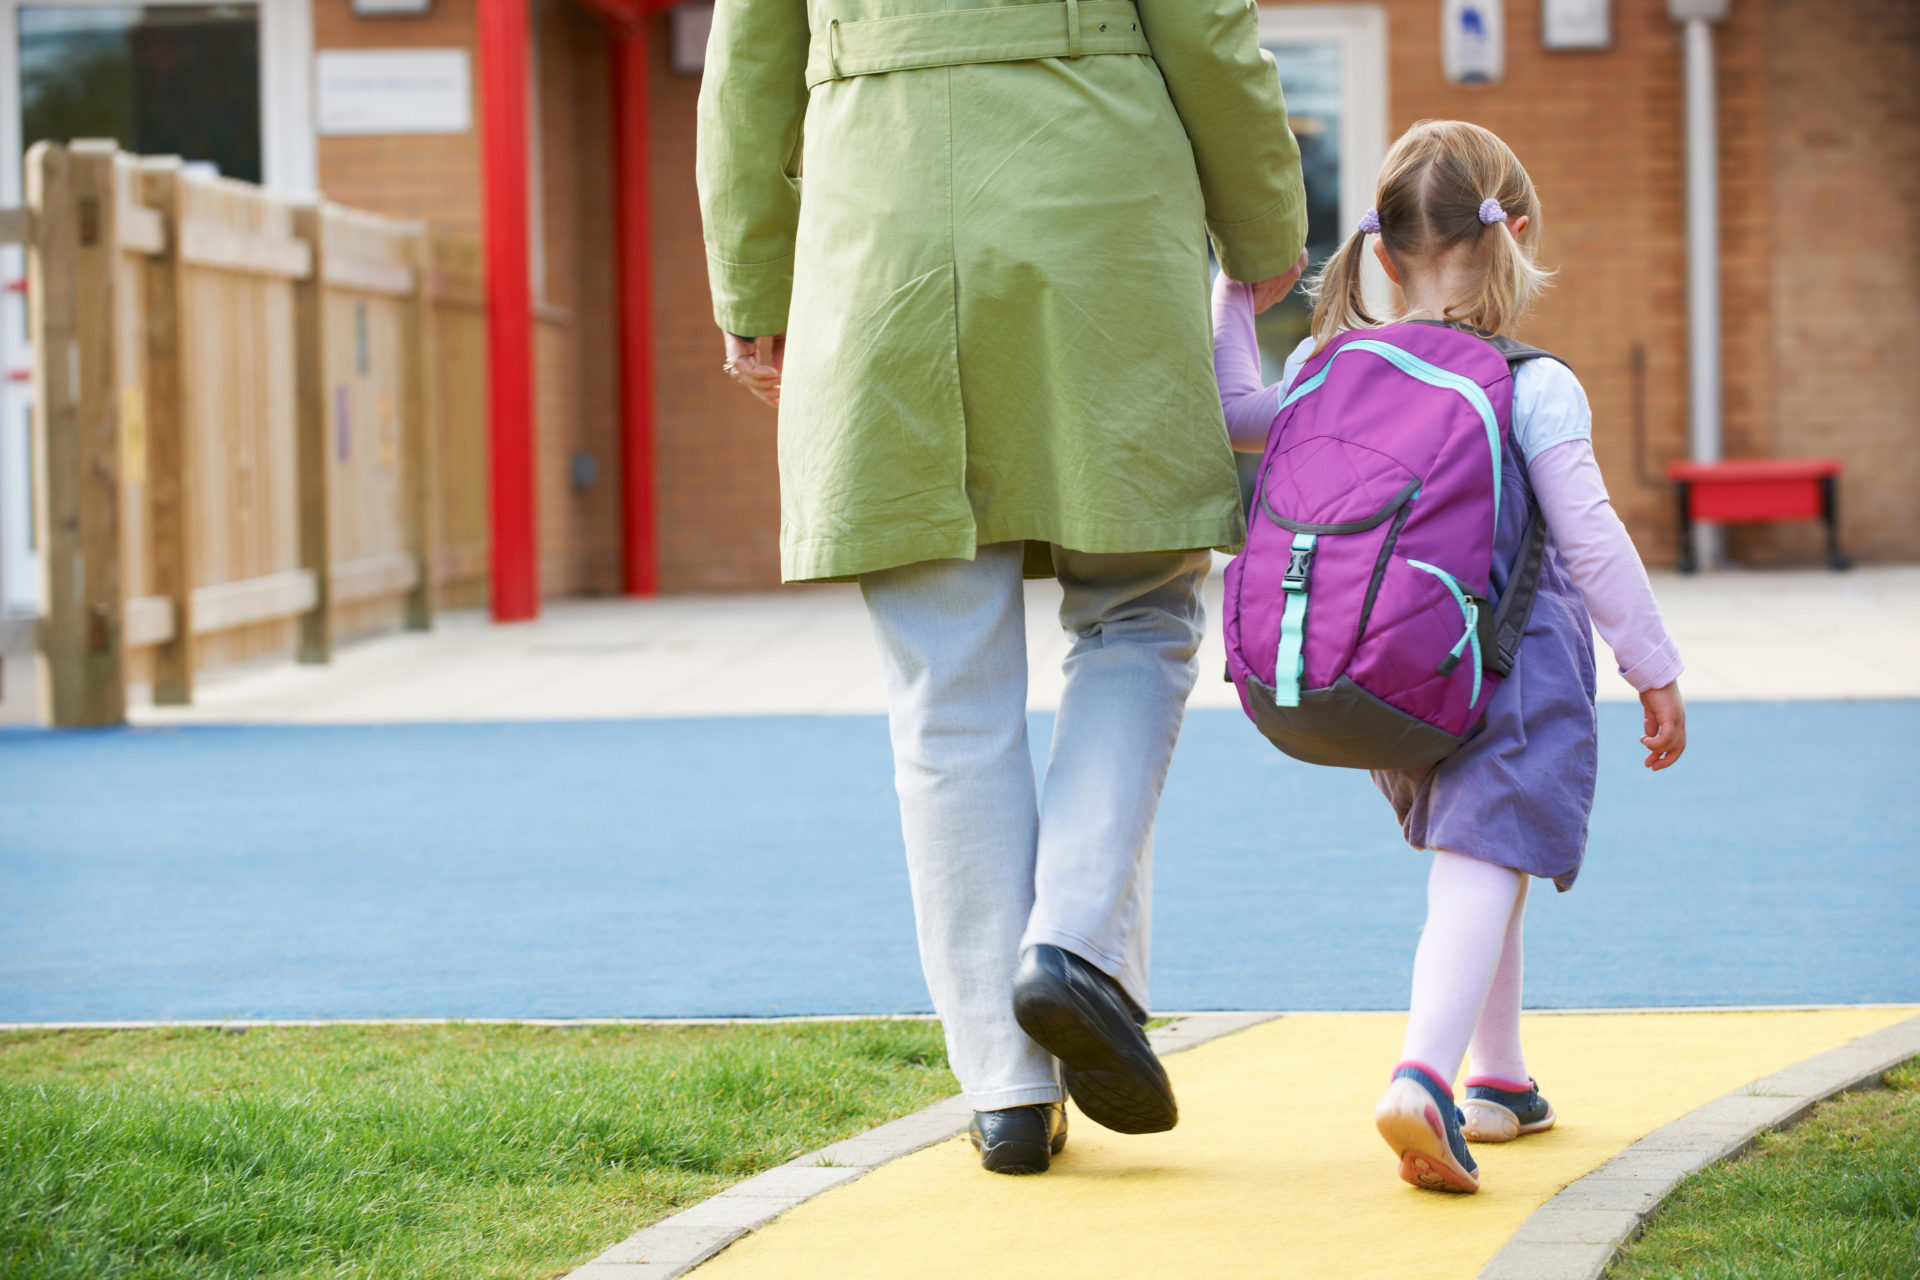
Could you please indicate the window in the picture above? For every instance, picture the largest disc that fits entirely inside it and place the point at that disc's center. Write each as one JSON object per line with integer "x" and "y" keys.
{"x": 160, "y": 79}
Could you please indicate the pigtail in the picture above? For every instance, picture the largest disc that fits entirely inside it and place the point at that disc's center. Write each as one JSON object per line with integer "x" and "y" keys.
{"x": 1339, "y": 301}
{"x": 1510, "y": 279}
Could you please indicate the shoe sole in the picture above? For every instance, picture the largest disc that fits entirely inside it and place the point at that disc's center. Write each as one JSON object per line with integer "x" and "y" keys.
{"x": 1410, "y": 1121}
{"x": 1125, "y": 1092}
{"x": 1491, "y": 1122}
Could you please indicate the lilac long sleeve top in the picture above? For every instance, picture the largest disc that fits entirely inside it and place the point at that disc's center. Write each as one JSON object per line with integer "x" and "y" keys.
{"x": 1552, "y": 428}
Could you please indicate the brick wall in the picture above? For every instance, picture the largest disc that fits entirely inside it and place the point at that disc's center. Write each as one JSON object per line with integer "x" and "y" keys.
{"x": 1600, "y": 133}
{"x": 1820, "y": 197}
{"x": 437, "y": 177}
{"x": 718, "y": 490}
{"x": 1845, "y": 126}
{"x": 577, "y": 374}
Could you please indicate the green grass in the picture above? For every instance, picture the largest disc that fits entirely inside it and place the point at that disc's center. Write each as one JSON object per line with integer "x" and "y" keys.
{"x": 1835, "y": 1196}
{"x": 460, "y": 1151}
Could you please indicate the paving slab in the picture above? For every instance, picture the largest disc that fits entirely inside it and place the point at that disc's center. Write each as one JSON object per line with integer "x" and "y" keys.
{"x": 1787, "y": 634}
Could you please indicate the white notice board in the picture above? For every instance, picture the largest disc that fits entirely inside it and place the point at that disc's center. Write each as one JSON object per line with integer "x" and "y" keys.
{"x": 367, "y": 91}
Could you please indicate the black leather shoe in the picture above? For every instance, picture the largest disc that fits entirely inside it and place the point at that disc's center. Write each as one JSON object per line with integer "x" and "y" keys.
{"x": 1080, "y": 1016}
{"x": 1019, "y": 1139}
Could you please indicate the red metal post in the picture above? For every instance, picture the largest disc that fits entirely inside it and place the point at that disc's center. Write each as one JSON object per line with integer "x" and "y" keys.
{"x": 631, "y": 51}
{"x": 503, "y": 147}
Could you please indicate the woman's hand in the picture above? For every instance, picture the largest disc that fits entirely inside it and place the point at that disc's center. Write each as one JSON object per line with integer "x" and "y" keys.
{"x": 755, "y": 363}
{"x": 1268, "y": 292}
{"x": 1666, "y": 725}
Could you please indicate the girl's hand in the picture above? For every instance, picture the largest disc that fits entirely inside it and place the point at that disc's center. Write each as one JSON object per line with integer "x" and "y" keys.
{"x": 1666, "y": 725}
{"x": 754, "y": 363}
{"x": 1268, "y": 292}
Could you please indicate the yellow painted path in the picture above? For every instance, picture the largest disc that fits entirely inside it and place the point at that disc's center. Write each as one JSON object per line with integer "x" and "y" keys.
{"x": 1275, "y": 1169}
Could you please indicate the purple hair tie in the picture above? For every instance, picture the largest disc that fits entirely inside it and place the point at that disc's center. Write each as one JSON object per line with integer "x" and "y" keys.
{"x": 1491, "y": 212}
{"x": 1370, "y": 222}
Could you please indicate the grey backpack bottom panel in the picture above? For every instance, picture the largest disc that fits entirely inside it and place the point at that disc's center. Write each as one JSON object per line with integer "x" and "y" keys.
{"x": 1344, "y": 725}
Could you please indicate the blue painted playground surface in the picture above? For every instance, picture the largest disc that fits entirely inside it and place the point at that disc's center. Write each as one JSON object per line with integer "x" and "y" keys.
{"x": 753, "y": 867}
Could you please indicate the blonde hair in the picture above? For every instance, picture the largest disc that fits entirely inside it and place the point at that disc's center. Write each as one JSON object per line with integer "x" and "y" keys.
{"x": 1432, "y": 185}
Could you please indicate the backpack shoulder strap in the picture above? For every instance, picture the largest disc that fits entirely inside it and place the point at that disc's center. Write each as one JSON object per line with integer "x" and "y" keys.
{"x": 1511, "y": 614}
{"x": 1517, "y": 352}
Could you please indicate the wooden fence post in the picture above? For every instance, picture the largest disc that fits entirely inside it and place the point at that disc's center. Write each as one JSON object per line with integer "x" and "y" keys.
{"x": 77, "y": 414}
{"x": 170, "y": 495}
{"x": 421, "y": 454}
{"x": 310, "y": 450}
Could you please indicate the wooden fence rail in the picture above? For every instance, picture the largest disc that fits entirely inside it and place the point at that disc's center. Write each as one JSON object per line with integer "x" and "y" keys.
{"x": 248, "y": 415}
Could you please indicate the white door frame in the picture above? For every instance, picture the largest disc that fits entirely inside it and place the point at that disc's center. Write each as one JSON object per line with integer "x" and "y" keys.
{"x": 1360, "y": 33}
{"x": 289, "y": 159}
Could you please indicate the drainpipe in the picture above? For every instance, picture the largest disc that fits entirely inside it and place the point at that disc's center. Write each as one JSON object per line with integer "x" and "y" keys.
{"x": 503, "y": 167}
{"x": 1696, "y": 18}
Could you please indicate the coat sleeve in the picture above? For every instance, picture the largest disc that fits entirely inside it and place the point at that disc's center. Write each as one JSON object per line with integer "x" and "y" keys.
{"x": 753, "y": 99}
{"x": 1227, "y": 91}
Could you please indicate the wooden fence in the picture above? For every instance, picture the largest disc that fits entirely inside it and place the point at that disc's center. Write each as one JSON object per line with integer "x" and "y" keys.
{"x": 260, "y": 424}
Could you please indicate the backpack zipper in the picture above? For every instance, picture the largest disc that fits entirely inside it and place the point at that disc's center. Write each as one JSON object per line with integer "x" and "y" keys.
{"x": 1471, "y": 636}
{"x": 1432, "y": 375}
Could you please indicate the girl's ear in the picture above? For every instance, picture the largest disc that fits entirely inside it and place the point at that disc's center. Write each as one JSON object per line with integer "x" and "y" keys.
{"x": 1518, "y": 225}
{"x": 1380, "y": 252}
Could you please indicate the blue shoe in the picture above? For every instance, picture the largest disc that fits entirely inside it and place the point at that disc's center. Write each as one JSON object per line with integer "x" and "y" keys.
{"x": 1499, "y": 1110}
{"x": 1418, "y": 1119}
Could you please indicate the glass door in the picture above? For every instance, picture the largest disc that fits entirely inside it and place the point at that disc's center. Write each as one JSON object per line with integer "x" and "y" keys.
{"x": 165, "y": 79}
{"x": 1333, "y": 70}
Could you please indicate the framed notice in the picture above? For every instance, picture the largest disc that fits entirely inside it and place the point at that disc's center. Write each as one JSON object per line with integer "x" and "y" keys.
{"x": 1576, "y": 24}
{"x": 376, "y": 91}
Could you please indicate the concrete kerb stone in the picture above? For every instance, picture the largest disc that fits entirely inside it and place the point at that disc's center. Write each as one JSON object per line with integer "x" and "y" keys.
{"x": 1577, "y": 1234}
{"x": 1529, "y": 1260}
{"x": 676, "y": 1245}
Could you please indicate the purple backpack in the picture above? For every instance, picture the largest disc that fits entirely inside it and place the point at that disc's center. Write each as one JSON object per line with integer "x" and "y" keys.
{"x": 1360, "y": 624}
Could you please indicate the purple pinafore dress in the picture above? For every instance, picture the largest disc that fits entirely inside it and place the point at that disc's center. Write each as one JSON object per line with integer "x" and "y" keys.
{"x": 1519, "y": 791}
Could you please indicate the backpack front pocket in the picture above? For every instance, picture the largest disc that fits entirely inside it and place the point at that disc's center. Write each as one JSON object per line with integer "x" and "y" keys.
{"x": 1314, "y": 606}
{"x": 1423, "y": 630}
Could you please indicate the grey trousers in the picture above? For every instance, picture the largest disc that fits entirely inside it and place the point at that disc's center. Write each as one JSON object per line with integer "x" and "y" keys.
{"x": 997, "y": 865}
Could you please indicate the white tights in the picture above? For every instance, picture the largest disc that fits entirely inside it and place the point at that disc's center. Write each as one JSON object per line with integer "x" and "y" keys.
{"x": 1466, "y": 974}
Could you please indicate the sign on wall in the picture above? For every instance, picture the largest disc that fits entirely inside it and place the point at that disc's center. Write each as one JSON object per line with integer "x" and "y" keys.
{"x": 1576, "y": 24}
{"x": 1473, "y": 41}
{"x": 375, "y": 91}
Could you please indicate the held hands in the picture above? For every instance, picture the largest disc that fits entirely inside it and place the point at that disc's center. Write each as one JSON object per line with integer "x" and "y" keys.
{"x": 1268, "y": 292}
{"x": 1666, "y": 725}
{"x": 755, "y": 363}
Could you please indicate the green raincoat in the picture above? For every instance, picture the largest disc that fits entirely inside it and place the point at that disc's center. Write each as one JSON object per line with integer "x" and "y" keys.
{"x": 994, "y": 288}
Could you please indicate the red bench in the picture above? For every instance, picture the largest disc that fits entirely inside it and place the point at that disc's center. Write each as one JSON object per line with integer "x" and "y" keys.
{"x": 1757, "y": 491}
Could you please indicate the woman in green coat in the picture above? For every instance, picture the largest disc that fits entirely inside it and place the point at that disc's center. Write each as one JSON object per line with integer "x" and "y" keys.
{"x": 983, "y": 316}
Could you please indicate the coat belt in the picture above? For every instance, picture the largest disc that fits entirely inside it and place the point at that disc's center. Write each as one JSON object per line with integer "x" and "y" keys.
{"x": 1002, "y": 33}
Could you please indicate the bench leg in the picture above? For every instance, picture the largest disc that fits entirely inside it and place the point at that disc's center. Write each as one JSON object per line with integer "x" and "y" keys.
{"x": 1687, "y": 562}
{"x": 1830, "y": 514}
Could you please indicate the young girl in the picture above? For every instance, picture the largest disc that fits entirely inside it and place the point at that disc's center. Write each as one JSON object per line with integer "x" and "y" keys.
{"x": 1455, "y": 225}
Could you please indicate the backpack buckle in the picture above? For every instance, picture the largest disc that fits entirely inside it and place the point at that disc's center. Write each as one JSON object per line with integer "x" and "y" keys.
{"x": 1299, "y": 561}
